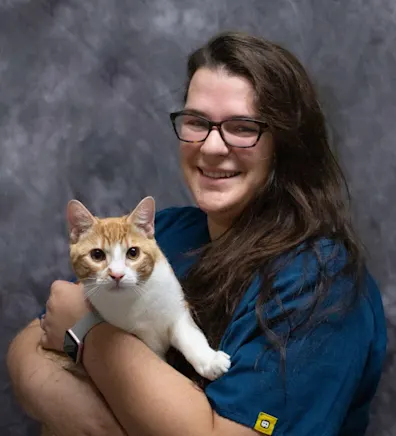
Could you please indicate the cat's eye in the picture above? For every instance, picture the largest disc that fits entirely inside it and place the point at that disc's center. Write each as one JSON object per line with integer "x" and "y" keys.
{"x": 133, "y": 253}
{"x": 98, "y": 255}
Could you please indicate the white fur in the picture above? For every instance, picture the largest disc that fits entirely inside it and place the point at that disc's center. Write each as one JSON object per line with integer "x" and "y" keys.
{"x": 156, "y": 312}
{"x": 117, "y": 264}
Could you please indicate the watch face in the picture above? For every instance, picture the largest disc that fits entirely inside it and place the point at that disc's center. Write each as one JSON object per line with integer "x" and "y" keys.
{"x": 70, "y": 346}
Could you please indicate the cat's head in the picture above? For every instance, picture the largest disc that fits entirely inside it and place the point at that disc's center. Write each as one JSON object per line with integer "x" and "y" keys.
{"x": 112, "y": 253}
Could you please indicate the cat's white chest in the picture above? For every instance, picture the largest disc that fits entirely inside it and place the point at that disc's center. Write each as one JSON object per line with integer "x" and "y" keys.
{"x": 149, "y": 313}
{"x": 159, "y": 316}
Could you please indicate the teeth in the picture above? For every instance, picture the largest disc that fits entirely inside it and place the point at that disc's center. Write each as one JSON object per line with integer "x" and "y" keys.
{"x": 219, "y": 175}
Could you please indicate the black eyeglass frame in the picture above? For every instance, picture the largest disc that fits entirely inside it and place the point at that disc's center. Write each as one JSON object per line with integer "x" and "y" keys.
{"x": 263, "y": 126}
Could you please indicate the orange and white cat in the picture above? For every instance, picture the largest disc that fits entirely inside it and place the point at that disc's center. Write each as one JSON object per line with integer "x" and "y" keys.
{"x": 131, "y": 284}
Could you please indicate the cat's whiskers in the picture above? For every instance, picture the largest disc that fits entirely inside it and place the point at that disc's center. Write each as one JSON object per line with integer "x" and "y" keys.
{"x": 93, "y": 289}
{"x": 90, "y": 294}
{"x": 140, "y": 291}
{"x": 88, "y": 280}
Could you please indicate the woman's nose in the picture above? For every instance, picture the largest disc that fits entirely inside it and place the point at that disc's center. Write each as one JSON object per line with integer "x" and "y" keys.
{"x": 214, "y": 144}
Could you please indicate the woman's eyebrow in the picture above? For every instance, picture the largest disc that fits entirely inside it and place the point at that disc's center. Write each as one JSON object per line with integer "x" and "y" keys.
{"x": 196, "y": 112}
{"x": 204, "y": 114}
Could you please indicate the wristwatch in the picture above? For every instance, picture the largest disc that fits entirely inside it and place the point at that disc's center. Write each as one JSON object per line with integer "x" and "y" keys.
{"x": 74, "y": 338}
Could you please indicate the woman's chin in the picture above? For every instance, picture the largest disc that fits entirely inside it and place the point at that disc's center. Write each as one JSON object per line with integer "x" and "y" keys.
{"x": 219, "y": 204}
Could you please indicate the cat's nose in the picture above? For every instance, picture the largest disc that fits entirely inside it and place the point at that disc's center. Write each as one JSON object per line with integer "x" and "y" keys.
{"x": 116, "y": 276}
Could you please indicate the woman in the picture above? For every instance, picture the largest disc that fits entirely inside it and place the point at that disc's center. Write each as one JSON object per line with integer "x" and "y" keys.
{"x": 278, "y": 282}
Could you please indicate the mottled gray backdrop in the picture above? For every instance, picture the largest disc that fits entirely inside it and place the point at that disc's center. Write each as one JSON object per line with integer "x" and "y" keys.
{"x": 85, "y": 91}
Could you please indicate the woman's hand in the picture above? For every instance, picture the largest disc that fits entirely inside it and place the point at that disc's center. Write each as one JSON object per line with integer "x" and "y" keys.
{"x": 65, "y": 306}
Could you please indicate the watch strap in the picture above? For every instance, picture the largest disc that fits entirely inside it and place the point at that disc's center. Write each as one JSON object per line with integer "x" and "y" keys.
{"x": 86, "y": 323}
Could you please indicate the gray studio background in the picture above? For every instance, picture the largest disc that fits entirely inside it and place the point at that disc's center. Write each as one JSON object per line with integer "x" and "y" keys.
{"x": 85, "y": 91}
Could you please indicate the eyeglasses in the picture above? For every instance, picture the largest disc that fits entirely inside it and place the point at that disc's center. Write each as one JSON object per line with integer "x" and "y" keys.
{"x": 238, "y": 132}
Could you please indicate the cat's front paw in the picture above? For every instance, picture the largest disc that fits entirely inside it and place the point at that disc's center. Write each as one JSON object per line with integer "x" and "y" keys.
{"x": 218, "y": 365}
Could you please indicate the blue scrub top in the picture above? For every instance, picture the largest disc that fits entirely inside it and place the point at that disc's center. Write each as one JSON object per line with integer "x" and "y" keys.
{"x": 331, "y": 372}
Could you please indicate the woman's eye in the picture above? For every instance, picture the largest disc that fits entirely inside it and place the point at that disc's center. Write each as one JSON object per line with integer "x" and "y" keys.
{"x": 195, "y": 123}
{"x": 98, "y": 255}
{"x": 241, "y": 128}
{"x": 244, "y": 129}
{"x": 133, "y": 253}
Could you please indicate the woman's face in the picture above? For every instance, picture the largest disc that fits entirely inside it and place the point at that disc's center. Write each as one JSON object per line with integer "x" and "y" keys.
{"x": 223, "y": 179}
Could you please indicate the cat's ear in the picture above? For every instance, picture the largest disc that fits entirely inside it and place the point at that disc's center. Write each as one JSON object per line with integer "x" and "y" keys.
{"x": 79, "y": 220}
{"x": 143, "y": 216}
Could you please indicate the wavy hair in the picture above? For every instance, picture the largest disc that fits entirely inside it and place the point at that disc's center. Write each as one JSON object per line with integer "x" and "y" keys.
{"x": 304, "y": 199}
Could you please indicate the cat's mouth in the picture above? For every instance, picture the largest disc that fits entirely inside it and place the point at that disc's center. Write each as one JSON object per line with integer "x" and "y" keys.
{"x": 116, "y": 287}
{"x": 120, "y": 286}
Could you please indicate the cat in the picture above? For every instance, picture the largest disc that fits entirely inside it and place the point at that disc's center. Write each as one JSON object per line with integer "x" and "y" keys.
{"x": 131, "y": 284}
{"x": 128, "y": 280}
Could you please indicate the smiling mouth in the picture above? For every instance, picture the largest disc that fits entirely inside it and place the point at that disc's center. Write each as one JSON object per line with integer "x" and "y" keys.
{"x": 219, "y": 174}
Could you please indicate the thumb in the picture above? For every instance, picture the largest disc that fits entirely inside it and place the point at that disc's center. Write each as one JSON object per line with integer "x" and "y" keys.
{"x": 44, "y": 342}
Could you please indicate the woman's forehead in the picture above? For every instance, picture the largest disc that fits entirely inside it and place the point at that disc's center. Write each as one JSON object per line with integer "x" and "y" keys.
{"x": 217, "y": 94}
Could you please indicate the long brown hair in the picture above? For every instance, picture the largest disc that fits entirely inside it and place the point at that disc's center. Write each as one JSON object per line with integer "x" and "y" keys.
{"x": 304, "y": 199}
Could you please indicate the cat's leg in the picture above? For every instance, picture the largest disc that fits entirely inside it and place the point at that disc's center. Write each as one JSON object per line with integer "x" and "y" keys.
{"x": 192, "y": 343}
{"x": 154, "y": 341}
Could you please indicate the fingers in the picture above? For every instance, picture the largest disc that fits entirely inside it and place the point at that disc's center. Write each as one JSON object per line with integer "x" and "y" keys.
{"x": 49, "y": 342}
{"x": 61, "y": 286}
{"x": 44, "y": 342}
{"x": 42, "y": 322}
{"x": 66, "y": 295}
